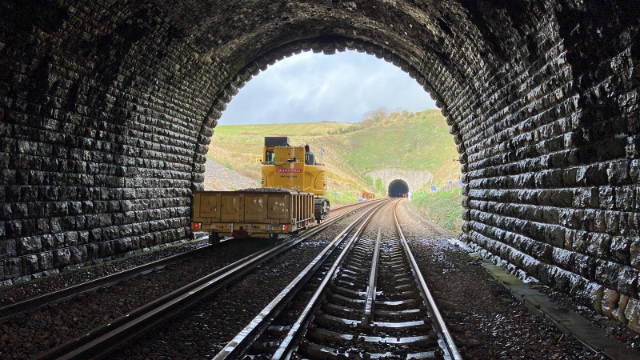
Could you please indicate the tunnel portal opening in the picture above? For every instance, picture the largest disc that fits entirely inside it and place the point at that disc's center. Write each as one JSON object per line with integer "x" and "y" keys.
{"x": 398, "y": 188}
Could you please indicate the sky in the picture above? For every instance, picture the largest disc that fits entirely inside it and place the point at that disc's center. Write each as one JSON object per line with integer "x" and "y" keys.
{"x": 312, "y": 87}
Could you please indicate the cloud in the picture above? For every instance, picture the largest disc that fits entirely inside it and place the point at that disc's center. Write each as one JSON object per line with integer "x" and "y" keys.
{"x": 311, "y": 87}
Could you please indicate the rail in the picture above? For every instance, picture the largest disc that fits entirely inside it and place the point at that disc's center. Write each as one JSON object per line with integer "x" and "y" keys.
{"x": 259, "y": 324}
{"x": 107, "y": 338}
{"x": 367, "y": 318}
{"x": 9, "y": 311}
{"x": 448, "y": 345}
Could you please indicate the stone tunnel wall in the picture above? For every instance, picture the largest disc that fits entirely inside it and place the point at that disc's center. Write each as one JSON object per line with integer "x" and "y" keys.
{"x": 101, "y": 133}
{"x": 551, "y": 161}
{"x": 107, "y": 108}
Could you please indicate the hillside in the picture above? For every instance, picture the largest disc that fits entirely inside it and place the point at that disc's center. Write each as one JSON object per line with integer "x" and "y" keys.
{"x": 399, "y": 140}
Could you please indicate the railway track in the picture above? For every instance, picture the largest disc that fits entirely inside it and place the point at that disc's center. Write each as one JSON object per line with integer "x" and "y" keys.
{"x": 106, "y": 338}
{"x": 9, "y": 311}
{"x": 368, "y": 301}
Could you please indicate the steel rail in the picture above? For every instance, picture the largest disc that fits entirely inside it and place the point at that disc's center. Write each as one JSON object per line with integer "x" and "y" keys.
{"x": 107, "y": 338}
{"x": 244, "y": 339}
{"x": 367, "y": 317}
{"x": 9, "y": 311}
{"x": 297, "y": 329}
{"x": 450, "y": 348}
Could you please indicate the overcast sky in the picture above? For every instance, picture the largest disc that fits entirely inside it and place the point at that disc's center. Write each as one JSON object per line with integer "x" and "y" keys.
{"x": 315, "y": 87}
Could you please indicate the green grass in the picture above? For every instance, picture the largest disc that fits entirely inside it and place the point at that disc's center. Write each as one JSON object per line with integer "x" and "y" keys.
{"x": 306, "y": 129}
{"x": 444, "y": 208}
{"x": 417, "y": 141}
{"x": 400, "y": 140}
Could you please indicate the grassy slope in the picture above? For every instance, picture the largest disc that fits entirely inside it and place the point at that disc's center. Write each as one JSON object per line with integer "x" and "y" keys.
{"x": 444, "y": 208}
{"x": 413, "y": 141}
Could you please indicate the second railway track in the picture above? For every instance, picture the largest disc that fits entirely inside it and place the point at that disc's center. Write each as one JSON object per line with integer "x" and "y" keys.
{"x": 92, "y": 343}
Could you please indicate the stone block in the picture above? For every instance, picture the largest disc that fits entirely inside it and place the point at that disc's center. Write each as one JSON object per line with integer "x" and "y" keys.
{"x": 83, "y": 237}
{"x": 607, "y": 273}
{"x": 606, "y": 197}
{"x": 10, "y": 248}
{"x": 625, "y": 198}
{"x": 12, "y": 268}
{"x": 632, "y": 314}
{"x": 105, "y": 248}
{"x": 46, "y": 260}
{"x": 29, "y": 245}
{"x": 610, "y": 300}
{"x": 628, "y": 281}
{"x": 30, "y": 264}
{"x": 620, "y": 249}
{"x": 13, "y": 228}
{"x": 555, "y": 235}
{"x": 634, "y": 252}
{"x": 621, "y": 306}
{"x": 563, "y": 258}
{"x": 61, "y": 258}
{"x": 612, "y": 222}
{"x": 618, "y": 173}
{"x": 598, "y": 245}
{"x": 592, "y": 296}
{"x": 71, "y": 238}
{"x": 586, "y": 198}
{"x": 93, "y": 251}
{"x": 48, "y": 242}
{"x": 634, "y": 171}
{"x": 122, "y": 245}
{"x": 78, "y": 255}
{"x": 585, "y": 266}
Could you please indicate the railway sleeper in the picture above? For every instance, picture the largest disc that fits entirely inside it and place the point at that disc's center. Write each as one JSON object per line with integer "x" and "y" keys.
{"x": 279, "y": 329}
{"x": 349, "y": 277}
{"x": 315, "y": 351}
{"x": 335, "y": 322}
{"x": 397, "y": 305}
{"x": 357, "y": 261}
{"x": 390, "y": 315}
{"x": 344, "y": 300}
{"x": 264, "y": 347}
{"x": 400, "y": 282}
{"x": 348, "y": 284}
{"x": 394, "y": 263}
{"x": 348, "y": 292}
{"x": 397, "y": 268}
{"x": 409, "y": 294}
{"x": 403, "y": 278}
{"x": 341, "y": 310}
{"x": 356, "y": 269}
{"x": 328, "y": 336}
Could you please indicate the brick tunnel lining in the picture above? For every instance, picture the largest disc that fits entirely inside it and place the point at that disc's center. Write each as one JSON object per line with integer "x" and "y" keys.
{"x": 106, "y": 113}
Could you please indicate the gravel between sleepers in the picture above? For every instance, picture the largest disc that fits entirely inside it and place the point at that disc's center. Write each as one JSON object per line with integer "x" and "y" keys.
{"x": 65, "y": 279}
{"x": 486, "y": 321}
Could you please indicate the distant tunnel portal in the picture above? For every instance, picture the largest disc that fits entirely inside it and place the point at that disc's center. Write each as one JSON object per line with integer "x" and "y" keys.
{"x": 398, "y": 188}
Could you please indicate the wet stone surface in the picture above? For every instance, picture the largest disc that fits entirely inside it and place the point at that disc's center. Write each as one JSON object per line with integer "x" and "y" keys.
{"x": 485, "y": 320}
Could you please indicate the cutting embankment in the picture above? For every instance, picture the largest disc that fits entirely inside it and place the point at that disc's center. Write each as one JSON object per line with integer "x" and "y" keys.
{"x": 382, "y": 141}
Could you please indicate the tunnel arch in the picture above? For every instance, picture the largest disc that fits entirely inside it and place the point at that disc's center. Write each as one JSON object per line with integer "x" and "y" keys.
{"x": 398, "y": 188}
{"x": 105, "y": 120}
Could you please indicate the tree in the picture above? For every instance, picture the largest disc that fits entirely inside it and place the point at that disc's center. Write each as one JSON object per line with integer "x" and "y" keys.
{"x": 376, "y": 116}
{"x": 379, "y": 186}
